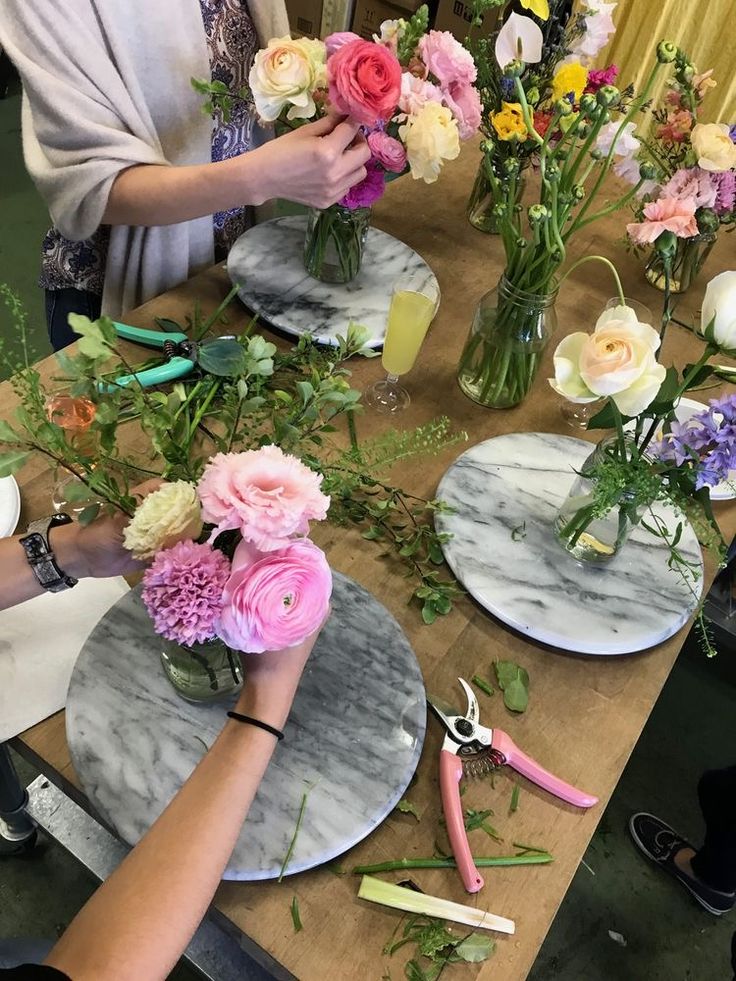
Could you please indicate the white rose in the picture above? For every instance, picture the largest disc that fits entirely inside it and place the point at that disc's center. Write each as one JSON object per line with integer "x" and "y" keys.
{"x": 287, "y": 73}
{"x": 168, "y": 515}
{"x": 718, "y": 316}
{"x": 714, "y": 147}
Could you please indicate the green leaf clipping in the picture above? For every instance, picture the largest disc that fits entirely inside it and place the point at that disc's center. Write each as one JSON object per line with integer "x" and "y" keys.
{"x": 295, "y": 917}
{"x": 514, "y": 806}
{"x": 474, "y": 949}
{"x": 12, "y": 461}
{"x": 7, "y": 433}
{"x": 223, "y": 357}
{"x": 514, "y": 683}
{"x": 406, "y": 807}
{"x": 482, "y": 684}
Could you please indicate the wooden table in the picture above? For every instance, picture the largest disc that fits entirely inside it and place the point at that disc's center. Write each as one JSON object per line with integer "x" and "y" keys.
{"x": 585, "y": 714}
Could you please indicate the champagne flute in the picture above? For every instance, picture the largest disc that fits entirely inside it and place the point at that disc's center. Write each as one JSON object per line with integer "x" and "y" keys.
{"x": 414, "y": 303}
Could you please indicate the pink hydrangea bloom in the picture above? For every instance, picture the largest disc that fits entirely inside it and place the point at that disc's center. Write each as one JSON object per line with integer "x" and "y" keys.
{"x": 692, "y": 182}
{"x": 447, "y": 59}
{"x": 664, "y": 215}
{"x": 183, "y": 589}
{"x": 266, "y": 494}
{"x": 416, "y": 93}
{"x": 276, "y": 600}
{"x": 388, "y": 151}
{"x": 598, "y": 77}
{"x": 726, "y": 196}
{"x": 369, "y": 190}
{"x": 463, "y": 101}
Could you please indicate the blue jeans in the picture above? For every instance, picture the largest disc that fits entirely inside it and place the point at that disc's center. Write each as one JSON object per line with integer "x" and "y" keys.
{"x": 59, "y": 304}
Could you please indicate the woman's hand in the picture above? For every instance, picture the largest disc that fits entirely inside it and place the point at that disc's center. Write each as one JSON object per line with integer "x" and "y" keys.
{"x": 316, "y": 164}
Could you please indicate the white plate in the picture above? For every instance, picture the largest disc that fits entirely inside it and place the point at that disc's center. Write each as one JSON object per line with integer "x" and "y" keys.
{"x": 9, "y": 506}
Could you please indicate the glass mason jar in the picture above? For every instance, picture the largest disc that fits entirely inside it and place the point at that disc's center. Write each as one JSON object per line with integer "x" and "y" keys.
{"x": 688, "y": 260}
{"x": 336, "y": 237}
{"x": 479, "y": 209}
{"x": 201, "y": 672}
{"x": 587, "y": 536}
{"x": 502, "y": 354}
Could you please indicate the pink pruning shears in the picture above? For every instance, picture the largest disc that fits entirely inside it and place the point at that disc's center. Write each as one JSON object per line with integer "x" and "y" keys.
{"x": 472, "y": 747}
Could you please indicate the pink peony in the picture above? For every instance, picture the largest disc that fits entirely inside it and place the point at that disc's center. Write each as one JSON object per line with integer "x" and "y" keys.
{"x": 364, "y": 81}
{"x": 182, "y": 590}
{"x": 447, "y": 59}
{"x": 664, "y": 215}
{"x": 389, "y": 152}
{"x": 463, "y": 101}
{"x": 369, "y": 190}
{"x": 275, "y": 600}
{"x": 598, "y": 77}
{"x": 267, "y": 495}
{"x": 692, "y": 182}
{"x": 333, "y": 42}
{"x": 416, "y": 93}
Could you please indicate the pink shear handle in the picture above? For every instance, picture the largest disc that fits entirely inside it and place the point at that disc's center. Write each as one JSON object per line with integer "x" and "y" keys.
{"x": 533, "y": 771}
{"x": 451, "y": 770}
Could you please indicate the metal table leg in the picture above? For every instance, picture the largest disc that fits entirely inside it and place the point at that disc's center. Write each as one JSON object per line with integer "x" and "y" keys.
{"x": 17, "y": 829}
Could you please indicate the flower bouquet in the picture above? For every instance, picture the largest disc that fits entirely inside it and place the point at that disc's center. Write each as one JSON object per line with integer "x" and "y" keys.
{"x": 695, "y": 190}
{"x": 651, "y": 457}
{"x": 410, "y": 89}
{"x": 545, "y": 106}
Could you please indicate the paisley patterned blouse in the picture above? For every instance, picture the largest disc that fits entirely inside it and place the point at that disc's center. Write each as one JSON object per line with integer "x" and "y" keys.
{"x": 232, "y": 44}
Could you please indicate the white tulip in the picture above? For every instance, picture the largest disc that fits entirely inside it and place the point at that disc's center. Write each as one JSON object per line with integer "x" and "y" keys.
{"x": 718, "y": 316}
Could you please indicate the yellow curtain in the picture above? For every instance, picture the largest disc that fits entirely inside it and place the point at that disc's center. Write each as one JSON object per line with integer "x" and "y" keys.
{"x": 702, "y": 28}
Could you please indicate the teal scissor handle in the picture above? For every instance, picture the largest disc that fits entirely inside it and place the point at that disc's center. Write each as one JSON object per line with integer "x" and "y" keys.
{"x": 158, "y": 375}
{"x": 149, "y": 338}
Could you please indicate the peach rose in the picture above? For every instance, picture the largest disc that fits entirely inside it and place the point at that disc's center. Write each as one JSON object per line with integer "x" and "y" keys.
{"x": 365, "y": 81}
{"x": 287, "y": 73}
{"x": 714, "y": 147}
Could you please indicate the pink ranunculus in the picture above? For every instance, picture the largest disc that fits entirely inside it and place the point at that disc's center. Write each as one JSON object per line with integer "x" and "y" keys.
{"x": 664, "y": 215}
{"x": 364, "y": 81}
{"x": 369, "y": 190}
{"x": 266, "y": 494}
{"x": 275, "y": 600}
{"x": 692, "y": 182}
{"x": 416, "y": 93}
{"x": 388, "y": 151}
{"x": 447, "y": 59}
{"x": 333, "y": 42}
{"x": 182, "y": 591}
{"x": 463, "y": 101}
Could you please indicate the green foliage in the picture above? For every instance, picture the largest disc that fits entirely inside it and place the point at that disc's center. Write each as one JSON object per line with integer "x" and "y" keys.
{"x": 219, "y": 98}
{"x": 406, "y": 807}
{"x": 414, "y": 29}
{"x": 295, "y": 916}
{"x": 514, "y": 683}
{"x": 437, "y": 945}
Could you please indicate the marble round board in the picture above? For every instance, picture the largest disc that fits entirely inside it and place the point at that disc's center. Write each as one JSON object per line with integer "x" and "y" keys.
{"x": 267, "y": 265}
{"x": 506, "y": 492}
{"x": 352, "y": 741}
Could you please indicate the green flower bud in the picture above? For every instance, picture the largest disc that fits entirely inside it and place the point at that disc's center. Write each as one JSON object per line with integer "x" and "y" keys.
{"x": 608, "y": 96}
{"x": 666, "y": 244}
{"x": 513, "y": 69}
{"x": 588, "y": 104}
{"x": 707, "y": 220}
{"x": 666, "y": 53}
{"x": 521, "y": 243}
{"x": 584, "y": 128}
{"x": 538, "y": 213}
{"x": 595, "y": 153}
{"x": 499, "y": 210}
{"x": 578, "y": 192}
{"x": 532, "y": 96}
{"x": 648, "y": 171}
{"x": 563, "y": 107}
{"x": 511, "y": 167}
{"x": 487, "y": 146}
{"x": 552, "y": 174}
{"x": 518, "y": 208}
{"x": 685, "y": 73}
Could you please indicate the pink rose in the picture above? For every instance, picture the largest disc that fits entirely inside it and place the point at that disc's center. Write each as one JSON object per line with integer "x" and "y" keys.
{"x": 365, "y": 81}
{"x": 275, "y": 600}
{"x": 416, "y": 93}
{"x": 389, "y": 152}
{"x": 463, "y": 101}
{"x": 664, "y": 215}
{"x": 447, "y": 59}
{"x": 333, "y": 42}
{"x": 267, "y": 495}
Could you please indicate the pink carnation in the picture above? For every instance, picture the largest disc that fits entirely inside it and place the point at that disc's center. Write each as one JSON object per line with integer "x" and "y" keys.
{"x": 267, "y": 495}
{"x": 463, "y": 101}
{"x": 276, "y": 600}
{"x": 598, "y": 77}
{"x": 692, "y": 182}
{"x": 369, "y": 190}
{"x": 389, "y": 152}
{"x": 416, "y": 93}
{"x": 447, "y": 59}
{"x": 664, "y": 215}
{"x": 333, "y": 42}
{"x": 364, "y": 81}
{"x": 183, "y": 589}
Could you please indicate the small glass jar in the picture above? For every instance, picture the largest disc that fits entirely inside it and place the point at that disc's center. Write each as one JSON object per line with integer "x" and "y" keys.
{"x": 201, "y": 672}
{"x": 689, "y": 259}
{"x": 334, "y": 244}
{"x": 503, "y": 352}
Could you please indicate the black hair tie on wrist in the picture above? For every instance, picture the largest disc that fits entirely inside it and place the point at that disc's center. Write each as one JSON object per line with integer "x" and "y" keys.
{"x": 256, "y": 722}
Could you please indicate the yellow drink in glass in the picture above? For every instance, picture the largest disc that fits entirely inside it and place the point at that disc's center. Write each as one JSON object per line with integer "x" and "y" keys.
{"x": 408, "y": 322}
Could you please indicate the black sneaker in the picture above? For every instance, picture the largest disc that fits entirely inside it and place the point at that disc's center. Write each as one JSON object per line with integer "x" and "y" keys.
{"x": 660, "y": 843}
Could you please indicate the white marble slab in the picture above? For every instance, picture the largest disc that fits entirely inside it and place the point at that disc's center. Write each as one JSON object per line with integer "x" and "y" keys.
{"x": 354, "y": 736}
{"x": 267, "y": 264}
{"x": 532, "y": 584}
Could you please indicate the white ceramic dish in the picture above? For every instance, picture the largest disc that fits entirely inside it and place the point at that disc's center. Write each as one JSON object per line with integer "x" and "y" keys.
{"x": 9, "y": 506}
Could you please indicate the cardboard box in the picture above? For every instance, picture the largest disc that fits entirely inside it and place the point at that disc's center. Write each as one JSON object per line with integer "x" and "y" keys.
{"x": 370, "y": 14}
{"x": 305, "y": 17}
{"x": 455, "y": 16}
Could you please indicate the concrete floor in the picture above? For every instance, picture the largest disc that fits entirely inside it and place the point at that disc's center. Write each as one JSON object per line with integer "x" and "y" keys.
{"x": 666, "y": 936}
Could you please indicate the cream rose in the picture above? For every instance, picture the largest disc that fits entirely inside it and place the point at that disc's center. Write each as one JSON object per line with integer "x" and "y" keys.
{"x": 718, "y": 315}
{"x": 714, "y": 147}
{"x": 287, "y": 73}
{"x": 168, "y": 515}
{"x": 616, "y": 361}
{"x": 430, "y": 137}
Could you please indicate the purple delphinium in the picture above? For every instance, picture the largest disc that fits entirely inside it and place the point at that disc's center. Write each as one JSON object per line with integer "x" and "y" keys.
{"x": 732, "y": 133}
{"x": 707, "y": 441}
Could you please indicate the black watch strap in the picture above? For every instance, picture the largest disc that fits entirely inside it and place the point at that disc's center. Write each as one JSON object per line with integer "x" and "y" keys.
{"x": 41, "y": 557}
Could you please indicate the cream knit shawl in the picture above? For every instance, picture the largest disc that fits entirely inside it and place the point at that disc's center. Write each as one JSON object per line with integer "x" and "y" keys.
{"x": 106, "y": 87}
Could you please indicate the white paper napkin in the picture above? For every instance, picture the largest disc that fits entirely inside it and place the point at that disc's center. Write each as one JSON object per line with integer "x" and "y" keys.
{"x": 39, "y": 643}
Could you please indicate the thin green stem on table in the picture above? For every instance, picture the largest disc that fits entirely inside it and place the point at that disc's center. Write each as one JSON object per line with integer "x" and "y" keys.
{"x": 500, "y": 861}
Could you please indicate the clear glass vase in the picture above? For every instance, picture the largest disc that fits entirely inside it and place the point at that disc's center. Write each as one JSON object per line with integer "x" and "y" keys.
{"x": 479, "y": 209}
{"x": 336, "y": 237}
{"x": 201, "y": 672}
{"x": 581, "y": 529}
{"x": 502, "y": 354}
{"x": 688, "y": 260}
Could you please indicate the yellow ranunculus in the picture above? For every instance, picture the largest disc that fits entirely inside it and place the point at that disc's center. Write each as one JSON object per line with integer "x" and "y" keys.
{"x": 509, "y": 122}
{"x": 286, "y": 73}
{"x": 570, "y": 78}
{"x": 168, "y": 515}
{"x": 540, "y": 8}
{"x": 430, "y": 136}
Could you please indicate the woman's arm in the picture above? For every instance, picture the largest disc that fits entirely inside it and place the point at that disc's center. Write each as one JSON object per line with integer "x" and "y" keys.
{"x": 316, "y": 165}
{"x": 140, "y": 920}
